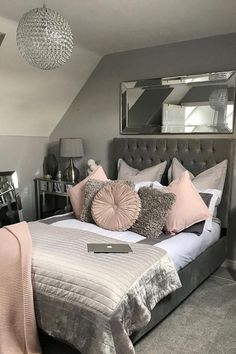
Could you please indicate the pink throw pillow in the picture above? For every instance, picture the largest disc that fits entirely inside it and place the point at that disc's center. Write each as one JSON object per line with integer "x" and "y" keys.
{"x": 116, "y": 207}
{"x": 188, "y": 209}
{"x": 77, "y": 192}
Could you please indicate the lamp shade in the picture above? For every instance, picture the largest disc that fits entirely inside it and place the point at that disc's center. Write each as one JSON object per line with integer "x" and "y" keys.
{"x": 71, "y": 147}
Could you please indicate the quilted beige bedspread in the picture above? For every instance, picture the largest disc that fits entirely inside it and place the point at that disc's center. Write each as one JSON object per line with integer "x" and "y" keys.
{"x": 95, "y": 301}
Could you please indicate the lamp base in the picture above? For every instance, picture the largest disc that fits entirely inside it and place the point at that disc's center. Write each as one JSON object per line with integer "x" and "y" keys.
{"x": 71, "y": 173}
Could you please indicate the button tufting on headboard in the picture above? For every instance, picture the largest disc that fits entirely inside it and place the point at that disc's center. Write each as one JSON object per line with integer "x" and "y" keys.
{"x": 195, "y": 154}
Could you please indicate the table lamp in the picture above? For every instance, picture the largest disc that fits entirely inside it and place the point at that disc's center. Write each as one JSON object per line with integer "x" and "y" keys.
{"x": 71, "y": 147}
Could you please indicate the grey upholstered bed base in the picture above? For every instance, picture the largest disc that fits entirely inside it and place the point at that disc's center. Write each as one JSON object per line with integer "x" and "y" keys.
{"x": 191, "y": 277}
{"x": 196, "y": 155}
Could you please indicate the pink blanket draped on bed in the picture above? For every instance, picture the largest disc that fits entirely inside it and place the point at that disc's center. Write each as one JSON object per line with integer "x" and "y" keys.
{"x": 18, "y": 331}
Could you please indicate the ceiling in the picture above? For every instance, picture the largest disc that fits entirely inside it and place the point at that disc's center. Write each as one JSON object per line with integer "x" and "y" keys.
{"x": 107, "y": 26}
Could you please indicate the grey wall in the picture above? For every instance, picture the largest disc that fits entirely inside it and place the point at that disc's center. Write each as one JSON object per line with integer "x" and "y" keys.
{"x": 25, "y": 155}
{"x": 94, "y": 114}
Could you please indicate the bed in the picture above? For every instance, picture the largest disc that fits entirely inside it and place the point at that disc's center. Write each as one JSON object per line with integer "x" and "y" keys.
{"x": 196, "y": 155}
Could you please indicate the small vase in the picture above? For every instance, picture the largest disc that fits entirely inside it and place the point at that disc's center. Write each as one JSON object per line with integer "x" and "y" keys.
{"x": 59, "y": 175}
{"x": 50, "y": 165}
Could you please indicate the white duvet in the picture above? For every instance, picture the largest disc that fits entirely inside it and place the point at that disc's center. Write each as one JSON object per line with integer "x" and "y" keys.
{"x": 182, "y": 248}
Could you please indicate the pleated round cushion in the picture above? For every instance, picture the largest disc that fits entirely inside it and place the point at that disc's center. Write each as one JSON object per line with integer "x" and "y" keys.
{"x": 116, "y": 207}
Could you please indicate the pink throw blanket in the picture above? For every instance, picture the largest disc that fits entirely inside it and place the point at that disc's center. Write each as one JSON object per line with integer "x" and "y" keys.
{"x": 18, "y": 331}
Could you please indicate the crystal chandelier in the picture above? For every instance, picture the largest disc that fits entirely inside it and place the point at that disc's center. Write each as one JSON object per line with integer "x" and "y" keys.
{"x": 44, "y": 38}
{"x": 218, "y": 99}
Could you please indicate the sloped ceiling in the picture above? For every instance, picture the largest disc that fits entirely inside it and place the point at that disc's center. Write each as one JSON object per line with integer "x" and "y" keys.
{"x": 33, "y": 101}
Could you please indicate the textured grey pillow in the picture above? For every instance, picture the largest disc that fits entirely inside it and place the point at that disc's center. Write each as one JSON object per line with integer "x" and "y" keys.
{"x": 91, "y": 189}
{"x": 154, "y": 210}
{"x": 128, "y": 173}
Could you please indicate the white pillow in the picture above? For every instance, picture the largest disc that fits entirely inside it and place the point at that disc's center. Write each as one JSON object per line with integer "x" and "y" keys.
{"x": 157, "y": 185}
{"x": 128, "y": 173}
{"x": 142, "y": 184}
{"x": 216, "y": 196}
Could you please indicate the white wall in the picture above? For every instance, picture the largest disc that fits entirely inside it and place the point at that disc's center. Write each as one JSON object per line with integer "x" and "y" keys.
{"x": 33, "y": 101}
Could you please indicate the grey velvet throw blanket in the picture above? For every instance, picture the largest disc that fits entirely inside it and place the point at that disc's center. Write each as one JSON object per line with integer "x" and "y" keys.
{"x": 95, "y": 301}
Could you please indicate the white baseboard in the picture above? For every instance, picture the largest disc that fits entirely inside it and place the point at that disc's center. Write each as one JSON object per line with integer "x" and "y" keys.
{"x": 229, "y": 263}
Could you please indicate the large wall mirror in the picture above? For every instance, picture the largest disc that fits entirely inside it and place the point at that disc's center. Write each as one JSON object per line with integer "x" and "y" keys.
{"x": 185, "y": 104}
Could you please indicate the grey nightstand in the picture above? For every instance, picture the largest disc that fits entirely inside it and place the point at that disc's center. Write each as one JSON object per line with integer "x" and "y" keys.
{"x": 51, "y": 197}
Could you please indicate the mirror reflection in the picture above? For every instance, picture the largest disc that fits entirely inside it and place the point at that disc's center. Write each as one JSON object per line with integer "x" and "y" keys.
{"x": 10, "y": 201}
{"x": 186, "y": 104}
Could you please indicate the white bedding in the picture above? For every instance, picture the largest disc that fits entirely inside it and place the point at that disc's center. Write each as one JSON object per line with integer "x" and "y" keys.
{"x": 182, "y": 248}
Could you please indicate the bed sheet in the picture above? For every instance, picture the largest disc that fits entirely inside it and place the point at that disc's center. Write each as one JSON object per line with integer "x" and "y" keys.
{"x": 183, "y": 248}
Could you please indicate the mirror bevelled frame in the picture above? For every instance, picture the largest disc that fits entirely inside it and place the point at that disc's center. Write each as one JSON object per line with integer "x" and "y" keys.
{"x": 189, "y": 104}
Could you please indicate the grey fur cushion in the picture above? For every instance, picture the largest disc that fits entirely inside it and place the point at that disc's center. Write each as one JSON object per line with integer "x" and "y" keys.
{"x": 91, "y": 189}
{"x": 154, "y": 210}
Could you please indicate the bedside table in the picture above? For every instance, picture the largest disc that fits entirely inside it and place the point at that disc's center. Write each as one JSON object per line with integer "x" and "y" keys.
{"x": 51, "y": 197}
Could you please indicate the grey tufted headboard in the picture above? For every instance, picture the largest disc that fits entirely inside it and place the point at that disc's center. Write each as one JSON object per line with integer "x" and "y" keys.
{"x": 196, "y": 155}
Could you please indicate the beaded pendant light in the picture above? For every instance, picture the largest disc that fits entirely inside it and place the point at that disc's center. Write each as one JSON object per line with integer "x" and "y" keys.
{"x": 44, "y": 38}
{"x": 218, "y": 99}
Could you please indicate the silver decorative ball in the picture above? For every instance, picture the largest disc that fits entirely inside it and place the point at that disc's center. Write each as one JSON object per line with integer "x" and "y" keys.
{"x": 44, "y": 38}
{"x": 218, "y": 99}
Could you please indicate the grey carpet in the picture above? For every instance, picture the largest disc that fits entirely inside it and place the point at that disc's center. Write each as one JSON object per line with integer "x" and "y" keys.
{"x": 204, "y": 324}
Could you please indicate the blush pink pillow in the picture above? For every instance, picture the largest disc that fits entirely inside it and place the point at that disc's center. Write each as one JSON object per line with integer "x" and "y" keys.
{"x": 188, "y": 209}
{"x": 116, "y": 207}
{"x": 77, "y": 192}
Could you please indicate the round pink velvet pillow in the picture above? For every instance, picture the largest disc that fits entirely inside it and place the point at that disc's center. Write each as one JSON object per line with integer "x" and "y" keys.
{"x": 116, "y": 207}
